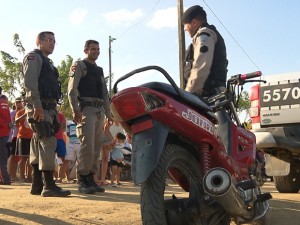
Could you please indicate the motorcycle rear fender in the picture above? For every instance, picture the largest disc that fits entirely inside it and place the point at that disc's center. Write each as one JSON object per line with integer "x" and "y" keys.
{"x": 146, "y": 151}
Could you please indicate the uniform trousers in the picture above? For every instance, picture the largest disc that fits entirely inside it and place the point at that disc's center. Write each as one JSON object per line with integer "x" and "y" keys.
{"x": 90, "y": 134}
{"x": 42, "y": 150}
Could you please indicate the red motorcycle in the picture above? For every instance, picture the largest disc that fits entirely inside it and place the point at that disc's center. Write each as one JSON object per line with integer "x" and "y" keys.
{"x": 199, "y": 144}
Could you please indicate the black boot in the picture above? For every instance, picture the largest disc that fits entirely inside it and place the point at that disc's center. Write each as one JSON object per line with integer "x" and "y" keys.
{"x": 50, "y": 188}
{"x": 94, "y": 184}
{"x": 37, "y": 180}
{"x": 84, "y": 185}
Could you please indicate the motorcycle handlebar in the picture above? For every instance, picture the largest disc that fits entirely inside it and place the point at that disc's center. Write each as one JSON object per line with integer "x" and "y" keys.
{"x": 241, "y": 79}
{"x": 250, "y": 75}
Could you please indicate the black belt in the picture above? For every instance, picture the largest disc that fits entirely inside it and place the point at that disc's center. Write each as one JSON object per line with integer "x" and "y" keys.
{"x": 96, "y": 104}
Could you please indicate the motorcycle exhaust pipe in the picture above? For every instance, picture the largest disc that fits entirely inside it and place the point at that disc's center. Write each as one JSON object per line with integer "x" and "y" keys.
{"x": 218, "y": 184}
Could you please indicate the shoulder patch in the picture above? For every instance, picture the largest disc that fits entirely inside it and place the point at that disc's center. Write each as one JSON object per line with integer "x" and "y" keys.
{"x": 204, "y": 36}
{"x": 31, "y": 57}
{"x": 203, "y": 49}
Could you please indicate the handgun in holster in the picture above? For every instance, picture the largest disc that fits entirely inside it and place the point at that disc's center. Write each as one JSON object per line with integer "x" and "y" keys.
{"x": 43, "y": 128}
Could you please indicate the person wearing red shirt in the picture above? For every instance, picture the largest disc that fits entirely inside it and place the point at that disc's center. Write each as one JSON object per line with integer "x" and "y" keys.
{"x": 61, "y": 150}
{"x": 13, "y": 159}
{"x": 5, "y": 123}
{"x": 23, "y": 145}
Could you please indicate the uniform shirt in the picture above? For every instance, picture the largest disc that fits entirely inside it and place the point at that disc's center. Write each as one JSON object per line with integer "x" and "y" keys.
{"x": 24, "y": 129}
{"x": 32, "y": 65}
{"x": 74, "y": 80}
{"x": 71, "y": 133}
{"x": 4, "y": 119}
{"x": 202, "y": 59}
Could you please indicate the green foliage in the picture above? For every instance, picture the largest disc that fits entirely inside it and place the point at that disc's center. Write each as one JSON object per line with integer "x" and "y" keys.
{"x": 11, "y": 78}
{"x": 63, "y": 70}
{"x": 244, "y": 102}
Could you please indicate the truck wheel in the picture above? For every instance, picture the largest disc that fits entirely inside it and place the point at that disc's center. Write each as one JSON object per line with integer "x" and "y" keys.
{"x": 289, "y": 183}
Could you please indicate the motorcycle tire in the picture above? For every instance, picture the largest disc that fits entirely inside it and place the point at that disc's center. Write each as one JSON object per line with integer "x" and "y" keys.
{"x": 154, "y": 209}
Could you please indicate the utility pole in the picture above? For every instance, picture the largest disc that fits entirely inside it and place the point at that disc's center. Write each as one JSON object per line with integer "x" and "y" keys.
{"x": 111, "y": 39}
{"x": 181, "y": 40}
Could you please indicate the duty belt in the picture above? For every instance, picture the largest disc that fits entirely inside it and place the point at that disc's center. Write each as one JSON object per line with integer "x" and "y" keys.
{"x": 96, "y": 104}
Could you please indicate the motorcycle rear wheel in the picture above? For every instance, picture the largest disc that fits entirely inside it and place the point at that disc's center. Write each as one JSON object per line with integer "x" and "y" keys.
{"x": 154, "y": 204}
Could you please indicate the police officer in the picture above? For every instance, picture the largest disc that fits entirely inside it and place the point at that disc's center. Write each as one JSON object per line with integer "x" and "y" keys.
{"x": 42, "y": 94}
{"x": 89, "y": 101}
{"x": 206, "y": 63}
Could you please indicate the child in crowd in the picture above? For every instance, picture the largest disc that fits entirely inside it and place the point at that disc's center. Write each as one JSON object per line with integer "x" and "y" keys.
{"x": 116, "y": 159}
{"x": 107, "y": 145}
{"x": 61, "y": 150}
{"x": 73, "y": 148}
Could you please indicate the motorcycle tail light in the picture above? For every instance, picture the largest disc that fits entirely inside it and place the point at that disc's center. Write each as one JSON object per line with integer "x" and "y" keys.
{"x": 135, "y": 104}
{"x": 128, "y": 106}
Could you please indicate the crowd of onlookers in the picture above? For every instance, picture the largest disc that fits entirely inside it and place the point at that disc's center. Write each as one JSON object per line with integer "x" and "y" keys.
{"x": 115, "y": 152}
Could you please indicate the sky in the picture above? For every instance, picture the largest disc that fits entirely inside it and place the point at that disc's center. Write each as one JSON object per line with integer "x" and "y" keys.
{"x": 259, "y": 35}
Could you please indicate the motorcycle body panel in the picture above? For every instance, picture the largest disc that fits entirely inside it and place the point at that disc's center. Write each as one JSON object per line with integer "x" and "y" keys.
{"x": 185, "y": 121}
{"x": 146, "y": 150}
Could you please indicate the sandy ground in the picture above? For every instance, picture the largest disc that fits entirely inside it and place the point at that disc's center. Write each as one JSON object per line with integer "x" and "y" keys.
{"x": 116, "y": 206}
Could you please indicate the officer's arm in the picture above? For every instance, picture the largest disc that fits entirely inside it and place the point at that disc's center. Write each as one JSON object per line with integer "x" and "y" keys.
{"x": 31, "y": 69}
{"x": 73, "y": 83}
{"x": 204, "y": 46}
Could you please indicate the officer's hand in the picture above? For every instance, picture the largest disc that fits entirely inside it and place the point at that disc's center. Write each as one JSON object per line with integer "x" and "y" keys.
{"x": 77, "y": 116}
{"x": 38, "y": 114}
{"x": 73, "y": 67}
{"x": 109, "y": 121}
{"x": 106, "y": 126}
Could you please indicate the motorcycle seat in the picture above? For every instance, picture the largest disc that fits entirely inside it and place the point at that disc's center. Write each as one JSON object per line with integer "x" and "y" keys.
{"x": 185, "y": 97}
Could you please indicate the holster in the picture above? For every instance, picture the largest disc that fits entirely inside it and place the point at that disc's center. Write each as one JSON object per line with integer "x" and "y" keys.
{"x": 43, "y": 128}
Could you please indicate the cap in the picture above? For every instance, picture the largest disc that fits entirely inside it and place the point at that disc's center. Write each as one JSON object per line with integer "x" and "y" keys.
{"x": 193, "y": 12}
{"x": 19, "y": 99}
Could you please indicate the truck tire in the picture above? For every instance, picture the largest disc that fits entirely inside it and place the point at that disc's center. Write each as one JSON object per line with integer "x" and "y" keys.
{"x": 289, "y": 183}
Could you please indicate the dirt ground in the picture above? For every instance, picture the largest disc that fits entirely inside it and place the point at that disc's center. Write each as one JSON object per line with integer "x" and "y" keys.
{"x": 116, "y": 206}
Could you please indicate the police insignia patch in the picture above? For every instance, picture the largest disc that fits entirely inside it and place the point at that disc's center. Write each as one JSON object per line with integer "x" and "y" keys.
{"x": 30, "y": 57}
{"x": 203, "y": 49}
{"x": 203, "y": 38}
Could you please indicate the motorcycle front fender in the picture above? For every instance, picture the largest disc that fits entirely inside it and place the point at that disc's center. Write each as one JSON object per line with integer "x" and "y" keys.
{"x": 146, "y": 151}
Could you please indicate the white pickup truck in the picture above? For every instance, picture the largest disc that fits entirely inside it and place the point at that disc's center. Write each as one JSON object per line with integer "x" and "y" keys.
{"x": 275, "y": 114}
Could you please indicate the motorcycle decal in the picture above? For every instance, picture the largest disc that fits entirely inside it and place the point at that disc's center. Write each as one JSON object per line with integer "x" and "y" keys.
{"x": 192, "y": 116}
{"x": 245, "y": 132}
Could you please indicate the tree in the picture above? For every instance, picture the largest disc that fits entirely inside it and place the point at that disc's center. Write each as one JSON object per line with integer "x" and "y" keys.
{"x": 244, "y": 104}
{"x": 11, "y": 78}
{"x": 63, "y": 70}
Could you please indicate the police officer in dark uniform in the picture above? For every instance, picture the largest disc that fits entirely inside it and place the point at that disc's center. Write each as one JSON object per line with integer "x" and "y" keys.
{"x": 89, "y": 101}
{"x": 42, "y": 94}
{"x": 206, "y": 63}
